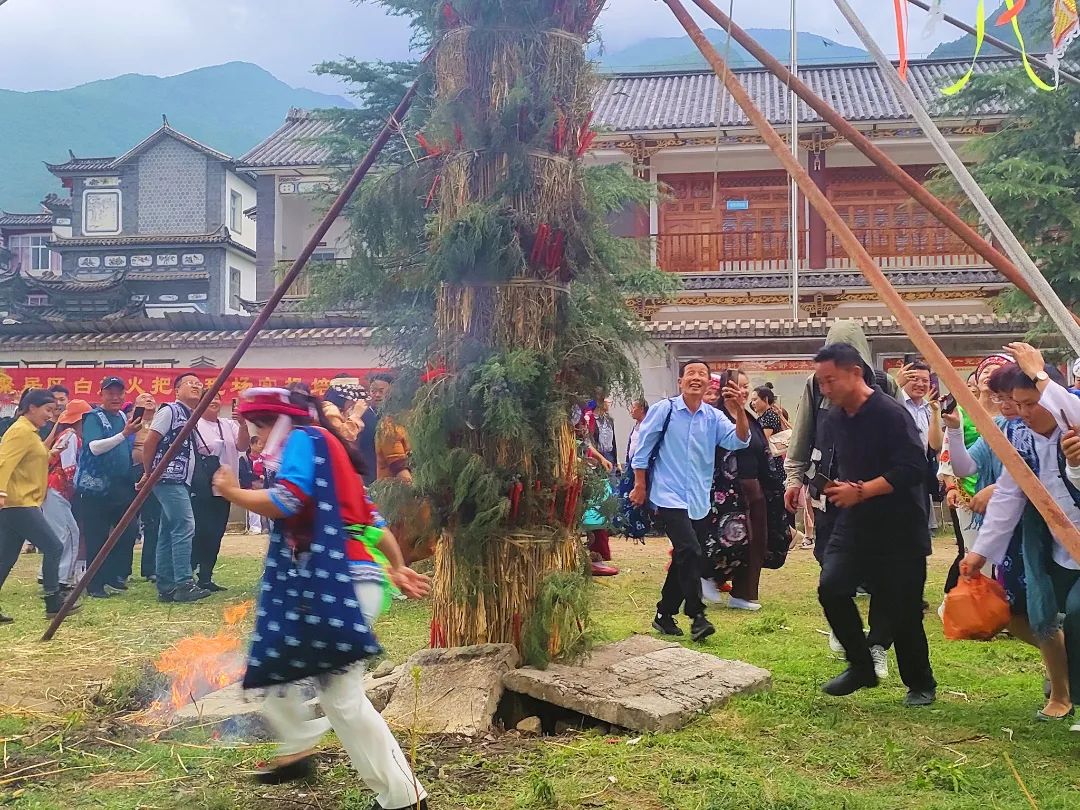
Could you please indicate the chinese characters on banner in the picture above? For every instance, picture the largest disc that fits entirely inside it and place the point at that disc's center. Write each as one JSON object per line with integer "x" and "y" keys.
{"x": 84, "y": 383}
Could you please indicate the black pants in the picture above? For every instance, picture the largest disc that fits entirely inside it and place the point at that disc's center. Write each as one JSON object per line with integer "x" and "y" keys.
{"x": 211, "y": 518}
{"x": 879, "y": 634}
{"x": 683, "y": 584}
{"x": 896, "y": 595}
{"x": 26, "y": 524}
{"x": 150, "y": 517}
{"x": 100, "y": 514}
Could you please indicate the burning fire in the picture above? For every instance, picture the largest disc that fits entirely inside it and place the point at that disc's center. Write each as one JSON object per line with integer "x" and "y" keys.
{"x": 199, "y": 665}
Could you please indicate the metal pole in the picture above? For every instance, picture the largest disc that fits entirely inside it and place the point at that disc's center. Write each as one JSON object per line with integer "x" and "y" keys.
{"x": 1058, "y": 312}
{"x": 941, "y": 211}
{"x": 997, "y": 43}
{"x": 1059, "y": 524}
{"x": 388, "y": 131}
{"x": 793, "y": 227}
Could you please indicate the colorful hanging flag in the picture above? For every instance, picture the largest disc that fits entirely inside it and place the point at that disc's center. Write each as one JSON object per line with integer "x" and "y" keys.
{"x": 980, "y": 36}
{"x": 900, "y": 9}
{"x": 1009, "y": 17}
{"x": 1066, "y": 29}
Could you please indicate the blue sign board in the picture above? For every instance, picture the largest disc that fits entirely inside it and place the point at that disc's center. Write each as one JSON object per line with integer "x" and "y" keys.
{"x": 738, "y": 205}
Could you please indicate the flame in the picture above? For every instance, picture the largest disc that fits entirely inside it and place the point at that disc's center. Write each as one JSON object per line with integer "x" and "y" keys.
{"x": 199, "y": 664}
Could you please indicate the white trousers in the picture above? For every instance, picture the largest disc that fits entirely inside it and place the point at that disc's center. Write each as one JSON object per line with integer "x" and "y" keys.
{"x": 255, "y": 523}
{"x": 58, "y": 515}
{"x": 372, "y": 748}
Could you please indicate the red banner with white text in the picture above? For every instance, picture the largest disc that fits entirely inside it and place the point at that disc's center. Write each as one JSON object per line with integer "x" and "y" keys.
{"x": 85, "y": 383}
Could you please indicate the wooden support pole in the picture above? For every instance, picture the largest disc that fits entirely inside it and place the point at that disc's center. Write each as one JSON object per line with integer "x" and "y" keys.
{"x": 1059, "y": 524}
{"x": 1062, "y": 318}
{"x": 876, "y": 156}
{"x": 388, "y": 131}
{"x": 997, "y": 43}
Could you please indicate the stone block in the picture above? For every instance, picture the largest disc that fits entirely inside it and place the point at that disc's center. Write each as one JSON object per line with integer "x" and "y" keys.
{"x": 641, "y": 683}
{"x": 457, "y": 692}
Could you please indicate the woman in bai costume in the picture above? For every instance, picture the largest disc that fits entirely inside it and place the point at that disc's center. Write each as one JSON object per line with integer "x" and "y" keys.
{"x": 322, "y": 589}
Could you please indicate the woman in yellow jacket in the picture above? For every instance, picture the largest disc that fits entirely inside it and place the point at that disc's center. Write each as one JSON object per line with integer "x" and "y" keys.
{"x": 24, "y": 478}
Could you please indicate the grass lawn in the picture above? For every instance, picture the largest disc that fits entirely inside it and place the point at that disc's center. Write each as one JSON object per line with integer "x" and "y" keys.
{"x": 791, "y": 748}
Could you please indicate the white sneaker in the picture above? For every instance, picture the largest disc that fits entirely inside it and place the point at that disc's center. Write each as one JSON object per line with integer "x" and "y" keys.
{"x": 835, "y": 645}
{"x": 709, "y": 592}
{"x": 941, "y": 611}
{"x": 881, "y": 661}
{"x": 743, "y": 604}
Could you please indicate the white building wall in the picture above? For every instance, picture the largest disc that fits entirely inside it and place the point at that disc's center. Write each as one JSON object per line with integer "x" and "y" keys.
{"x": 233, "y": 182}
{"x": 246, "y": 265}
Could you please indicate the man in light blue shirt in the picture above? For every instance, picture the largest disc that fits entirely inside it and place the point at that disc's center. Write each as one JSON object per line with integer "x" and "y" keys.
{"x": 673, "y": 470}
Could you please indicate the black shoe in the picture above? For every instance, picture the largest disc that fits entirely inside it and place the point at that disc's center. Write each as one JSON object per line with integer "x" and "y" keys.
{"x": 189, "y": 593}
{"x": 118, "y": 585}
{"x": 53, "y": 603}
{"x": 413, "y": 806}
{"x": 212, "y": 587}
{"x": 920, "y": 697}
{"x": 701, "y": 628}
{"x": 5, "y": 619}
{"x": 98, "y": 594}
{"x": 301, "y": 769}
{"x": 150, "y": 577}
{"x": 666, "y": 626}
{"x": 848, "y": 681}
{"x": 165, "y": 596}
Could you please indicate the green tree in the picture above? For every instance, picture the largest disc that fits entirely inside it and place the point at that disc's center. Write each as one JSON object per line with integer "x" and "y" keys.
{"x": 483, "y": 259}
{"x": 1030, "y": 170}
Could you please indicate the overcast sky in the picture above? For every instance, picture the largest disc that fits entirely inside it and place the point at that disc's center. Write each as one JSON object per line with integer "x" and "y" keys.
{"x": 49, "y": 44}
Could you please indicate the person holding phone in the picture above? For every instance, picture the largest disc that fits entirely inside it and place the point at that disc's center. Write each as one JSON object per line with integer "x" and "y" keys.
{"x": 226, "y": 439}
{"x": 143, "y": 409}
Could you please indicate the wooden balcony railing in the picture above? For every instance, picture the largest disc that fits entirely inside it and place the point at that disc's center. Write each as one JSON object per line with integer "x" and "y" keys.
{"x": 732, "y": 251}
{"x": 301, "y": 288}
{"x": 749, "y": 251}
{"x": 900, "y": 248}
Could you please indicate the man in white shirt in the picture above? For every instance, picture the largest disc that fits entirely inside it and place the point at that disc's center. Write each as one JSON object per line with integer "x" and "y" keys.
{"x": 1047, "y": 409}
{"x": 915, "y": 389}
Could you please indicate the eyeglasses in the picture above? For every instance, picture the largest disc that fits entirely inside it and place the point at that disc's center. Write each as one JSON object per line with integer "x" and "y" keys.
{"x": 1000, "y": 400}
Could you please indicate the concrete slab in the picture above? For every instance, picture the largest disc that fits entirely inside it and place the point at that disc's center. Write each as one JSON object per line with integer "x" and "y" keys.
{"x": 641, "y": 683}
{"x": 456, "y": 692}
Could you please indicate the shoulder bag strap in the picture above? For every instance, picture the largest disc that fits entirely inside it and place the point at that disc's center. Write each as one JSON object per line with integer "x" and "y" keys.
{"x": 660, "y": 441}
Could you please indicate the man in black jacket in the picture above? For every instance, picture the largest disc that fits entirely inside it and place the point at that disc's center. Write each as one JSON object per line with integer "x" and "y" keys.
{"x": 881, "y": 536}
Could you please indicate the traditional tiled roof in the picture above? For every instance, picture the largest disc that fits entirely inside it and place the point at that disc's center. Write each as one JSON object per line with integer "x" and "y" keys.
{"x": 166, "y": 131}
{"x": 219, "y": 237}
{"x": 294, "y": 143}
{"x": 689, "y": 100}
{"x": 56, "y": 202}
{"x": 77, "y": 164}
{"x": 847, "y": 279}
{"x": 773, "y": 328}
{"x": 40, "y": 219}
{"x": 182, "y": 330}
{"x": 66, "y": 284}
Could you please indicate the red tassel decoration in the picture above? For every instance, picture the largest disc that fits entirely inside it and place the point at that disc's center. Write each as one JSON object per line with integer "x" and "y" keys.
{"x": 555, "y": 251}
{"x": 540, "y": 244}
{"x": 458, "y": 134}
{"x": 434, "y": 188}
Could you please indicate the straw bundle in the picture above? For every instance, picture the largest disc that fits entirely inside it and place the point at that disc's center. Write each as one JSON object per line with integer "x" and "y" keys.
{"x": 497, "y": 605}
{"x": 522, "y": 314}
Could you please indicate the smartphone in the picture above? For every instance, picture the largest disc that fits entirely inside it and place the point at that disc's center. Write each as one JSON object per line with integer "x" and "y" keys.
{"x": 138, "y": 414}
{"x": 1065, "y": 420}
{"x": 822, "y": 482}
{"x": 910, "y": 358}
{"x": 948, "y": 404}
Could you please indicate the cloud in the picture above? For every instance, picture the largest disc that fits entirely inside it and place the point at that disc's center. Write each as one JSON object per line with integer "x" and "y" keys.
{"x": 48, "y": 44}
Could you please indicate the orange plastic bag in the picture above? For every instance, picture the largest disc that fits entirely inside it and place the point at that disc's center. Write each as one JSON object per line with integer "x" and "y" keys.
{"x": 976, "y": 609}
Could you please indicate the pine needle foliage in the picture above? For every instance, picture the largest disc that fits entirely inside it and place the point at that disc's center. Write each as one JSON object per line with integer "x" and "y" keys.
{"x": 482, "y": 248}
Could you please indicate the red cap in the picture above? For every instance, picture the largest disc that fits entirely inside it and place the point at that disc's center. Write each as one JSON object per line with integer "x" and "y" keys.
{"x": 270, "y": 400}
